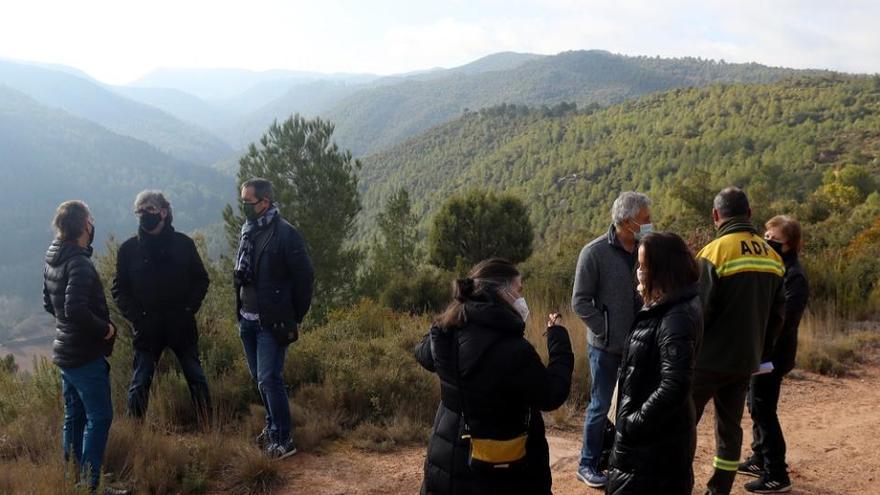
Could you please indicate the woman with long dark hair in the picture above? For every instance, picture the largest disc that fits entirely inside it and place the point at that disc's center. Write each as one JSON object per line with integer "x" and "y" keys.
{"x": 488, "y": 434}
{"x": 656, "y": 425}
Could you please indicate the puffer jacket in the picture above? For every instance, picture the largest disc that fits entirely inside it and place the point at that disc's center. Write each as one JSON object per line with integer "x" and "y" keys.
{"x": 655, "y": 431}
{"x": 73, "y": 293}
{"x": 502, "y": 382}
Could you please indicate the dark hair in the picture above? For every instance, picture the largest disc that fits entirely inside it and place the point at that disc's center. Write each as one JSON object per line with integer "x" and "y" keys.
{"x": 262, "y": 188}
{"x": 731, "y": 202}
{"x": 790, "y": 228}
{"x": 670, "y": 264}
{"x": 484, "y": 281}
{"x": 70, "y": 220}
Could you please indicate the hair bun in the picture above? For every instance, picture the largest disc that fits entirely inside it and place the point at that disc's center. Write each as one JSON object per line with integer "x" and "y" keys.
{"x": 464, "y": 289}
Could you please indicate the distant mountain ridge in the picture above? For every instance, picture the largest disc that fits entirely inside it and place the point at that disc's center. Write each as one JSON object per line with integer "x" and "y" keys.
{"x": 91, "y": 100}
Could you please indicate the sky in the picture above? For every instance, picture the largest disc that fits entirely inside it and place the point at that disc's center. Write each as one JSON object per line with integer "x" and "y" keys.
{"x": 118, "y": 41}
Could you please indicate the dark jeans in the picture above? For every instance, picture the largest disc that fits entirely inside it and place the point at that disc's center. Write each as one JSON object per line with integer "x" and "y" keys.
{"x": 768, "y": 444}
{"x": 265, "y": 358}
{"x": 88, "y": 412}
{"x": 728, "y": 394}
{"x": 142, "y": 379}
{"x": 603, "y": 371}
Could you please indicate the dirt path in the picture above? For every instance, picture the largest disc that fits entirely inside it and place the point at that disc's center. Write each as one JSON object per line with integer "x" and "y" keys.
{"x": 832, "y": 427}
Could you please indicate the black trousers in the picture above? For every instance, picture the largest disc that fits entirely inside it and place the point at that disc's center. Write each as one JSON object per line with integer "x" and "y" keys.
{"x": 728, "y": 394}
{"x": 768, "y": 444}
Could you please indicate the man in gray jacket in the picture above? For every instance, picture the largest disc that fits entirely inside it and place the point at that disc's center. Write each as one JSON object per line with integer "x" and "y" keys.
{"x": 605, "y": 298}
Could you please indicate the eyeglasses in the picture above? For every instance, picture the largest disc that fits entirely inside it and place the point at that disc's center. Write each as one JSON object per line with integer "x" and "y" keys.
{"x": 146, "y": 209}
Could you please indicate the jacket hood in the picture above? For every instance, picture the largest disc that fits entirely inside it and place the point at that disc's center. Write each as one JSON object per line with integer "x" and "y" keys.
{"x": 60, "y": 251}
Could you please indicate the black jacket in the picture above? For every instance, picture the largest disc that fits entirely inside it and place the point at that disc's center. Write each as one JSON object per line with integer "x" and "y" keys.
{"x": 656, "y": 421}
{"x": 503, "y": 381}
{"x": 797, "y": 293}
{"x": 283, "y": 275}
{"x": 73, "y": 293}
{"x": 160, "y": 284}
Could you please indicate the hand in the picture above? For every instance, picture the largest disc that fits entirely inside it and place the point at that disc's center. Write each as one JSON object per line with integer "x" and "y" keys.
{"x": 111, "y": 332}
{"x": 553, "y": 319}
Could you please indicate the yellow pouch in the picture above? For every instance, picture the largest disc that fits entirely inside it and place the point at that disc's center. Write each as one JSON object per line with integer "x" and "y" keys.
{"x": 488, "y": 453}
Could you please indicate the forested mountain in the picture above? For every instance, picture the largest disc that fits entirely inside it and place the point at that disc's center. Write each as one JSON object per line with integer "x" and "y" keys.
{"x": 374, "y": 119}
{"x": 48, "y": 156}
{"x": 807, "y": 146}
{"x": 90, "y": 100}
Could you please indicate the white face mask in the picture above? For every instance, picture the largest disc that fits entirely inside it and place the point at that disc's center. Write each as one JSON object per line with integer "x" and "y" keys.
{"x": 522, "y": 308}
{"x": 644, "y": 229}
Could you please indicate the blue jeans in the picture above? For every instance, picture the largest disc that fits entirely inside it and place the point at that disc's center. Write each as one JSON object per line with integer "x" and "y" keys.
{"x": 265, "y": 358}
{"x": 142, "y": 378}
{"x": 603, "y": 370}
{"x": 88, "y": 412}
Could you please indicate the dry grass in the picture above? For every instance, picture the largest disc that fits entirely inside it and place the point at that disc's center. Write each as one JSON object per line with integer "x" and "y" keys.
{"x": 570, "y": 414}
{"x": 827, "y": 346}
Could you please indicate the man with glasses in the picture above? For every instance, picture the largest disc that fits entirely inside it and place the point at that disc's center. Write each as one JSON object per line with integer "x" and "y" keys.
{"x": 159, "y": 286}
{"x": 273, "y": 280}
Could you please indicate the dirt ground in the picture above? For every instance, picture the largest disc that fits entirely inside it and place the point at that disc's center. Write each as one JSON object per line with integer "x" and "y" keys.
{"x": 832, "y": 426}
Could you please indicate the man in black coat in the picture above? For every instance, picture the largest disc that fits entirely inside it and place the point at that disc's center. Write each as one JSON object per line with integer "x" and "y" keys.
{"x": 274, "y": 281}
{"x": 159, "y": 286}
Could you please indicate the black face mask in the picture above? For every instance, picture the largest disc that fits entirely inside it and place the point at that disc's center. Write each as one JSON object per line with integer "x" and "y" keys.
{"x": 92, "y": 236}
{"x": 776, "y": 245}
{"x": 150, "y": 221}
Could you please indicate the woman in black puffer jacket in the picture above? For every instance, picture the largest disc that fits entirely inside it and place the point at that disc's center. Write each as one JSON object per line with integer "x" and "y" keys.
{"x": 491, "y": 372}
{"x": 84, "y": 336}
{"x": 655, "y": 430}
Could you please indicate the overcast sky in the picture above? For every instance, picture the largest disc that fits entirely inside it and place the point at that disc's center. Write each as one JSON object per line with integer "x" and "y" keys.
{"x": 118, "y": 41}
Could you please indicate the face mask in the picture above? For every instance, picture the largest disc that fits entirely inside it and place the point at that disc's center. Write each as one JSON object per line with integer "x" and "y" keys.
{"x": 250, "y": 211}
{"x": 776, "y": 245}
{"x": 643, "y": 231}
{"x": 522, "y": 308}
{"x": 149, "y": 221}
{"x": 92, "y": 235}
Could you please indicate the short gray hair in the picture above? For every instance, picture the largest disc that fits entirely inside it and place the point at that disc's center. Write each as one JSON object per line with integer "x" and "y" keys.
{"x": 262, "y": 188}
{"x": 627, "y": 206}
{"x": 731, "y": 202}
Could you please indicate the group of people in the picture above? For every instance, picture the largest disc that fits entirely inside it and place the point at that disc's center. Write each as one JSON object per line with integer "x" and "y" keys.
{"x": 668, "y": 331}
{"x": 159, "y": 285}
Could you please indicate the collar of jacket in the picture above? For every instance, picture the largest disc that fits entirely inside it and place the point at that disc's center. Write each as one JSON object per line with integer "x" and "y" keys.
{"x": 685, "y": 293}
{"x": 789, "y": 258}
{"x": 146, "y": 237}
{"x": 736, "y": 224}
{"x": 615, "y": 241}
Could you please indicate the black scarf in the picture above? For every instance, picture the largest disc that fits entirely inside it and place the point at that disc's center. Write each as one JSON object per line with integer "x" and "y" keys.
{"x": 244, "y": 272}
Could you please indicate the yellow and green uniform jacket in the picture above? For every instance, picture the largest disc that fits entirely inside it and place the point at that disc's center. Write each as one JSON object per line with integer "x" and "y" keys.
{"x": 743, "y": 300}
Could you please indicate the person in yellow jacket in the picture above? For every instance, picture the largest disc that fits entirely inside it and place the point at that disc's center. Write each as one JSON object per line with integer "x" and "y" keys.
{"x": 743, "y": 302}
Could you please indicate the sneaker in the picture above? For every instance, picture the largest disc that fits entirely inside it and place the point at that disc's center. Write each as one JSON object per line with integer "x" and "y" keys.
{"x": 280, "y": 451}
{"x": 591, "y": 477}
{"x": 751, "y": 467}
{"x": 769, "y": 484}
{"x": 263, "y": 439}
{"x": 116, "y": 491}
